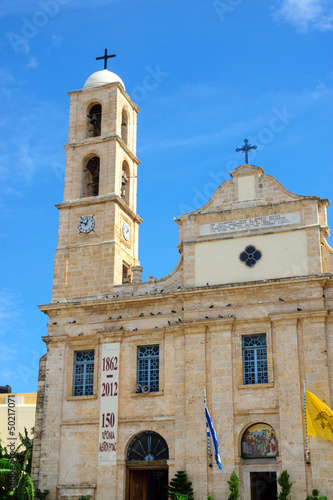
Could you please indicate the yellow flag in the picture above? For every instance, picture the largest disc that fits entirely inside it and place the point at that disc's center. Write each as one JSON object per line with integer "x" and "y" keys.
{"x": 319, "y": 417}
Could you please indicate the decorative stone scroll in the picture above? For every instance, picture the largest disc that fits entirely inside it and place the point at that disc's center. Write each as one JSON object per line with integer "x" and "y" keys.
{"x": 250, "y": 224}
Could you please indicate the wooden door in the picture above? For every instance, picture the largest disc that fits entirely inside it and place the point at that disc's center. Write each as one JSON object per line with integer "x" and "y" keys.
{"x": 138, "y": 485}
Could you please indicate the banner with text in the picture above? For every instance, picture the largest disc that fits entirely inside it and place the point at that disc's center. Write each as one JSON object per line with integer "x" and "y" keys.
{"x": 108, "y": 417}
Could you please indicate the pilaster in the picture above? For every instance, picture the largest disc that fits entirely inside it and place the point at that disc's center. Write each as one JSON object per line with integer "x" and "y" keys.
{"x": 292, "y": 444}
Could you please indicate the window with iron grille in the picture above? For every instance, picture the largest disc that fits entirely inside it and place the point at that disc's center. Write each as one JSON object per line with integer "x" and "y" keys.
{"x": 83, "y": 373}
{"x": 255, "y": 369}
{"x": 148, "y": 366}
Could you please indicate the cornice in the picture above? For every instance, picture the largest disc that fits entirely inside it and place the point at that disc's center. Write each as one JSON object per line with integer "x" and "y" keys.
{"x": 66, "y": 423}
{"x": 236, "y": 206}
{"x": 48, "y": 339}
{"x": 253, "y": 232}
{"x": 95, "y": 200}
{"x": 92, "y": 141}
{"x": 246, "y": 170}
{"x": 181, "y": 295}
{"x": 75, "y": 486}
{"x": 158, "y": 418}
{"x": 259, "y": 322}
{"x": 257, "y": 411}
{"x": 104, "y": 87}
{"x": 293, "y": 317}
{"x": 195, "y": 326}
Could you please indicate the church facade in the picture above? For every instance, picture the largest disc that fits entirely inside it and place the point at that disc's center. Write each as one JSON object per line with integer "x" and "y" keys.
{"x": 245, "y": 316}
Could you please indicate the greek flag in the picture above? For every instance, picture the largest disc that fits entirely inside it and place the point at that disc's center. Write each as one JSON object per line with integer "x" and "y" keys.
{"x": 212, "y": 435}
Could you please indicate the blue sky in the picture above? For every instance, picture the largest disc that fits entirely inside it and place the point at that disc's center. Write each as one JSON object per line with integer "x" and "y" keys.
{"x": 223, "y": 71}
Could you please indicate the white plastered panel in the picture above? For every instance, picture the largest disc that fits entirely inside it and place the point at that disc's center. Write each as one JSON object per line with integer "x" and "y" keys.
{"x": 283, "y": 254}
{"x": 246, "y": 188}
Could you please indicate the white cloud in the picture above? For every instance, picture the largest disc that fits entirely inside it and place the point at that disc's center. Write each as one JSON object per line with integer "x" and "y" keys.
{"x": 12, "y": 192}
{"x": 9, "y": 352}
{"x": 33, "y": 63}
{"x": 6, "y": 77}
{"x": 57, "y": 40}
{"x": 305, "y": 14}
{"x": 18, "y": 42}
{"x": 19, "y": 365}
{"x": 18, "y": 368}
{"x": 24, "y": 147}
{"x": 286, "y": 103}
{"x": 30, "y": 7}
{"x": 27, "y": 164}
{"x": 202, "y": 139}
{"x": 8, "y": 310}
{"x": 319, "y": 91}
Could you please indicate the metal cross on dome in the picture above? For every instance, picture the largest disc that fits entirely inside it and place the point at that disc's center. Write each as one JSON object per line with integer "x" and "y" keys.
{"x": 245, "y": 149}
{"x": 105, "y": 57}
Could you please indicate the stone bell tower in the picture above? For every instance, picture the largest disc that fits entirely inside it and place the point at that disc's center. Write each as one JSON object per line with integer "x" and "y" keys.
{"x": 98, "y": 224}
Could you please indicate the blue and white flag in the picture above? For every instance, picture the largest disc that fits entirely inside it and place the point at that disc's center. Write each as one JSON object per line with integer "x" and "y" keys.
{"x": 212, "y": 435}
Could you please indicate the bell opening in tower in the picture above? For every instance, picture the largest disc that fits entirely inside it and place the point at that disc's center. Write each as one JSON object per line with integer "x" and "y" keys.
{"x": 94, "y": 121}
{"x": 125, "y": 185}
{"x": 124, "y": 126}
{"x": 91, "y": 178}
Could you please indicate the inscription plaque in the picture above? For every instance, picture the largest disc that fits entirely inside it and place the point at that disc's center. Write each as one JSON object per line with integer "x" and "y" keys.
{"x": 249, "y": 224}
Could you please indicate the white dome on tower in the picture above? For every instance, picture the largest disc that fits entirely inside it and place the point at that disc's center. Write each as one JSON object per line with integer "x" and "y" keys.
{"x": 102, "y": 78}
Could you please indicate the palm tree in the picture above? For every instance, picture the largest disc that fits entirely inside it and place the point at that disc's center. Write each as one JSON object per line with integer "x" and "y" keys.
{"x": 15, "y": 482}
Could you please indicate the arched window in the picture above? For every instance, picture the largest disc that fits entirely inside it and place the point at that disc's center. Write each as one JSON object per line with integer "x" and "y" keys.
{"x": 147, "y": 447}
{"x": 91, "y": 177}
{"x": 259, "y": 441}
{"x": 124, "y": 126}
{"x": 125, "y": 184}
{"x": 94, "y": 119}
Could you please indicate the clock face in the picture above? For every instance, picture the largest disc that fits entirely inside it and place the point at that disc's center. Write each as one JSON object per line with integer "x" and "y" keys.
{"x": 86, "y": 224}
{"x": 126, "y": 231}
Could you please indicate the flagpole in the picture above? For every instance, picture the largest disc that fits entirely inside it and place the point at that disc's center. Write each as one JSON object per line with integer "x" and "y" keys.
{"x": 208, "y": 443}
{"x": 306, "y": 427}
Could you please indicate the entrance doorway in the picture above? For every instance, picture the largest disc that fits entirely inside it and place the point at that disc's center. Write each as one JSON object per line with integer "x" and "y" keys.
{"x": 147, "y": 468}
{"x": 148, "y": 484}
{"x": 263, "y": 485}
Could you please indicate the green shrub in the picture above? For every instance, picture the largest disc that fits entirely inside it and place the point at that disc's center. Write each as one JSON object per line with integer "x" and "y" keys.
{"x": 285, "y": 484}
{"x": 180, "y": 485}
{"x": 316, "y": 496}
{"x": 41, "y": 495}
{"x": 234, "y": 486}
{"x": 180, "y": 496}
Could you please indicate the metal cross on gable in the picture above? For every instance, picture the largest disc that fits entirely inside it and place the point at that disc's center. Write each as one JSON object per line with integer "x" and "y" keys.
{"x": 105, "y": 57}
{"x": 245, "y": 149}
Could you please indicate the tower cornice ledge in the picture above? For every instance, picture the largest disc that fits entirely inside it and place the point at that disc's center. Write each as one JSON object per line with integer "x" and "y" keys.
{"x": 107, "y": 85}
{"x": 100, "y": 139}
{"x": 94, "y": 200}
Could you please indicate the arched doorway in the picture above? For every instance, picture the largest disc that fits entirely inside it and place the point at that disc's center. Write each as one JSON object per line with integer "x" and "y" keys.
{"x": 147, "y": 469}
{"x": 259, "y": 449}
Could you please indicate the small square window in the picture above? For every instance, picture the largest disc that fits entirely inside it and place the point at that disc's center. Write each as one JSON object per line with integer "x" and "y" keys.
{"x": 255, "y": 367}
{"x": 148, "y": 367}
{"x": 83, "y": 383}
